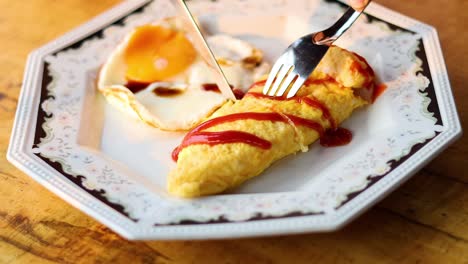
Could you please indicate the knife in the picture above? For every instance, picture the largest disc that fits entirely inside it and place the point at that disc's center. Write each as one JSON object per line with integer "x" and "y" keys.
{"x": 203, "y": 49}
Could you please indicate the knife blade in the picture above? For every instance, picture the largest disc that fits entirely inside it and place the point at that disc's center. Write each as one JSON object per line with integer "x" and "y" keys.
{"x": 203, "y": 49}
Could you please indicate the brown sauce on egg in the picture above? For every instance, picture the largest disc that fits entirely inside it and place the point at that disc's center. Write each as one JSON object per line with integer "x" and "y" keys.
{"x": 136, "y": 86}
{"x": 251, "y": 62}
{"x": 167, "y": 91}
{"x": 213, "y": 87}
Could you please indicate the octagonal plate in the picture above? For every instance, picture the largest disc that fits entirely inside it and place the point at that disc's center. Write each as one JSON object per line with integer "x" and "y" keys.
{"x": 114, "y": 168}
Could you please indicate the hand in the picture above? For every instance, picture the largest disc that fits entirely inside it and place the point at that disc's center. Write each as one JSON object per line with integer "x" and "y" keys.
{"x": 358, "y": 4}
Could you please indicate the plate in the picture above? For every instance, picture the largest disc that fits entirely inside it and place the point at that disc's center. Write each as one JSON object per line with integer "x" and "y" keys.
{"x": 114, "y": 168}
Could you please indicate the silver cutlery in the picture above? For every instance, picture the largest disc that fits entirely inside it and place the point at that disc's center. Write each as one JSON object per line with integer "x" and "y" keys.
{"x": 203, "y": 49}
{"x": 299, "y": 60}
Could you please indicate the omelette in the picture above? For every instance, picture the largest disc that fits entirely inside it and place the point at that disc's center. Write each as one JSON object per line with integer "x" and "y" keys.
{"x": 244, "y": 137}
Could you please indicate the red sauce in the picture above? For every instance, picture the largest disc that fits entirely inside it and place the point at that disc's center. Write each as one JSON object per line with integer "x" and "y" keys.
{"x": 262, "y": 82}
{"x": 317, "y": 104}
{"x": 356, "y": 67}
{"x": 320, "y": 81}
{"x": 226, "y": 136}
{"x": 274, "y": 117}
{"x": 368, "y": 71}
{"x": 135, "y": 86}
{"x": 223, "y": 137}
{"x": 331, "y": 138}
{"x": 314, "y": 103}
{"x": 378, "y": 90}
{"x": 336, "y": 137}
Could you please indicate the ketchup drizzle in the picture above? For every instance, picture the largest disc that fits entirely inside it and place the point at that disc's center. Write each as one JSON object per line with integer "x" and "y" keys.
{"x": 312, "y": 102}
{"x": 378, "y": 90}
{"x": 227, "y": 136}
{"x": 368, "y": 71}
{"x": 335, "y": 136}
{"x": 214, "y": 138}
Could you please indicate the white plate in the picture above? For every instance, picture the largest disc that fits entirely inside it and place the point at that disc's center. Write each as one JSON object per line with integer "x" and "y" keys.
{"x": 114, "y": 168}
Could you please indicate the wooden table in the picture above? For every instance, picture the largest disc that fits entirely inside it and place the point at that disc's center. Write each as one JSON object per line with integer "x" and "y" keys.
{"x": 424, "y": 221}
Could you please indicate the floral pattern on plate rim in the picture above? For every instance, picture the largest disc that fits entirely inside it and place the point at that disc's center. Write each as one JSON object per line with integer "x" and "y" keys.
{"x": 64, "y": 94}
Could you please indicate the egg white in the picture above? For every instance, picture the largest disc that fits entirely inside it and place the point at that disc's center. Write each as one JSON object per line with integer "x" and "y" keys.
{"x": 189, "y": 108}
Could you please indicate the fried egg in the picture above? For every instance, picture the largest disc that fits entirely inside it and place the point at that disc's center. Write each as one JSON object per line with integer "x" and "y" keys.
{"x": 156, "y": 75}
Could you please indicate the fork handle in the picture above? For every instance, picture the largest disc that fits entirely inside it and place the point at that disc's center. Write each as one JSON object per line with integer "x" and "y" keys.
{"x": 329, "y": 35}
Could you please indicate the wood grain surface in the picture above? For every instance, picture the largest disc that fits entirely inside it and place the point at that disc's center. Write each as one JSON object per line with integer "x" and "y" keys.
{"x": 424, "y": 221}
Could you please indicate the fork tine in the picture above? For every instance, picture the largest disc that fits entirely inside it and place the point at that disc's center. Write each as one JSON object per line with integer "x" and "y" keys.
{"x": 286, "y": 83}
{"x": 279, "y": 79}
{"x": 296, "y": 86}
{"x": 271, "y": 77}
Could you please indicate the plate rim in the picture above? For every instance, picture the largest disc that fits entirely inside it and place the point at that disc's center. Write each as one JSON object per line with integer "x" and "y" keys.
{"x": 24, "y": 159}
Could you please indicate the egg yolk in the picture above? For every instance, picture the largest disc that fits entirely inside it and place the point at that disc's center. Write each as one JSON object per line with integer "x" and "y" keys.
{"x": 155, "y": 53}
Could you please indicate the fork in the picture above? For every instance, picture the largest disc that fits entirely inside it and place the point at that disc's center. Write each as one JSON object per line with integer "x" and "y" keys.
{"x": 299, "y": 60}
